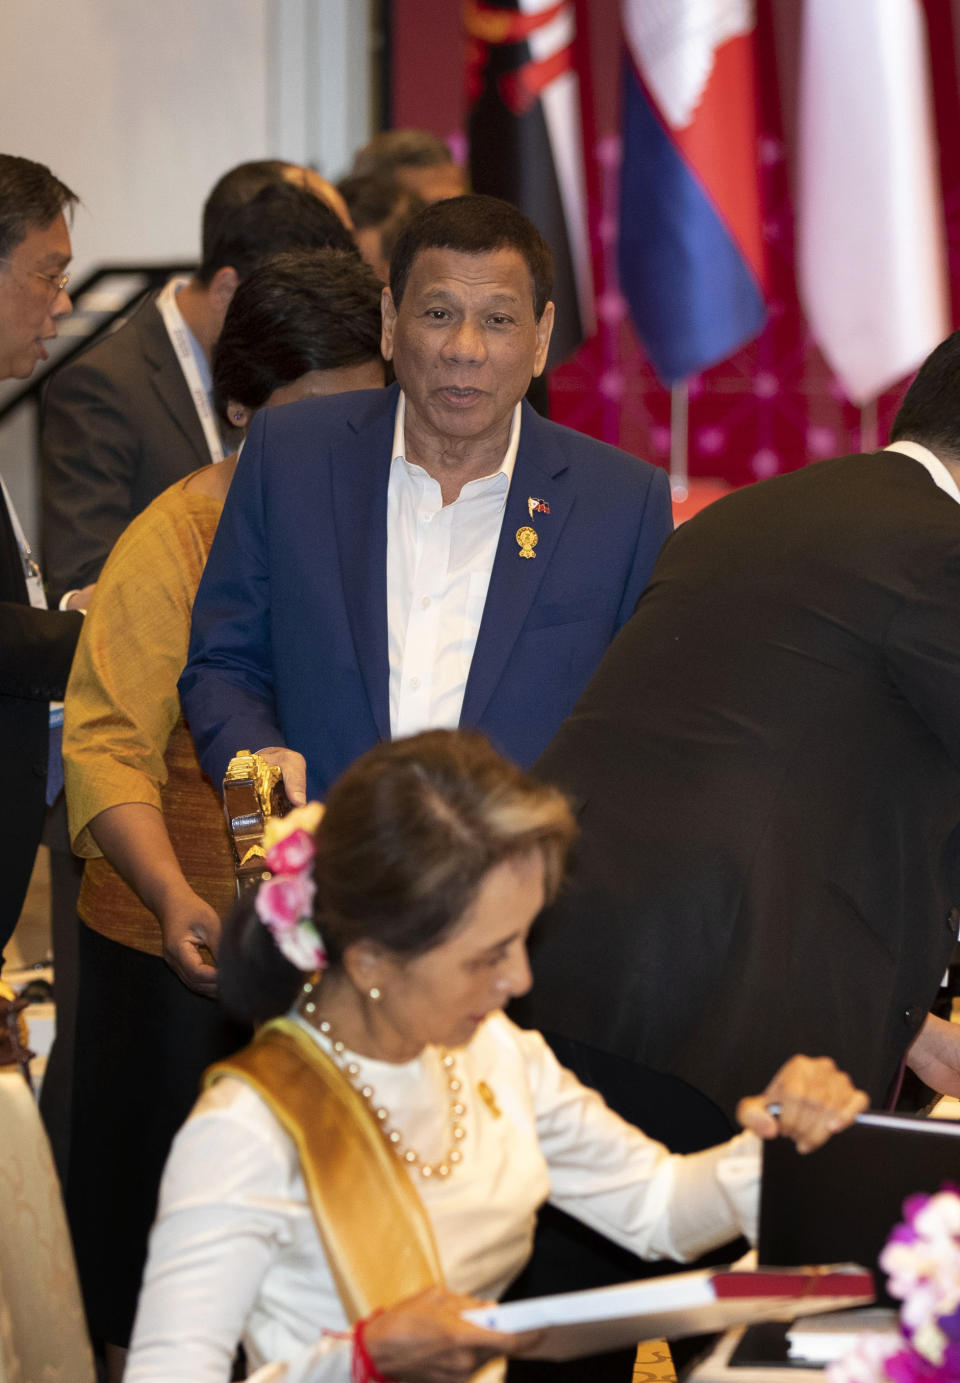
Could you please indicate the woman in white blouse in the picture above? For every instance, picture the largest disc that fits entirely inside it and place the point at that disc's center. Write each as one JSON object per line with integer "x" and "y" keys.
{"x": 287, "y": 1215}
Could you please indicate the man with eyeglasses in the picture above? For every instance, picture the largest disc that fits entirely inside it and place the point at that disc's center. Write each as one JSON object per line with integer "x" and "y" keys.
{"x": 36, "y": 644}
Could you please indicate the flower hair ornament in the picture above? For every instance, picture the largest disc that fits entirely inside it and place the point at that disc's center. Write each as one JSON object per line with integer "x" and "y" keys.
{"x": 284, "y": 901}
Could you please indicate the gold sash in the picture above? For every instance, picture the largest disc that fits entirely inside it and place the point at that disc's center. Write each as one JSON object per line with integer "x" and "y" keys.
{"x": 372, "y": 1224}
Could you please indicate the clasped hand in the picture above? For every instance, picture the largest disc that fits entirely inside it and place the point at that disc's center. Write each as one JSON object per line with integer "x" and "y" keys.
{"x": 815, "y": 1100}
{"x": 293, "y": 770}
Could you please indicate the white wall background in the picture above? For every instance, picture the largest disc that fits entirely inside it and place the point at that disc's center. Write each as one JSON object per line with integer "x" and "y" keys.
{"x": 140, "y": 105}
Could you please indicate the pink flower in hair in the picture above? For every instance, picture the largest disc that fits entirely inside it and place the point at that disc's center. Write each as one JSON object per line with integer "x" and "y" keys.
{"x": 292, "y": 854}
{"x": 284, "y": 901}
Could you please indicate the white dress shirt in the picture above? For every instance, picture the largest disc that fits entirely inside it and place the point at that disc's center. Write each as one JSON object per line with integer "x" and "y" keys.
{"x": 235, "y": 1251}
{"x": 941, "y": 476}
{"x": 439, "y": 560}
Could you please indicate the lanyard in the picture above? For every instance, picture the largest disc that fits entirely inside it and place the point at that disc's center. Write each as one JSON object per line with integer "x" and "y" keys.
{"x": 183, "y": 349}
{"x": 38, "y": 599}
{"x": 35, "y": 592}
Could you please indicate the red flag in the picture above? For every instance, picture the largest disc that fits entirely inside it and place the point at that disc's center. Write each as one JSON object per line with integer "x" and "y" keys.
{"x": 526, "y": 140}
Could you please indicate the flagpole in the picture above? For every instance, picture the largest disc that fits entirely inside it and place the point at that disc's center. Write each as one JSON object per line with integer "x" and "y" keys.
{"x": 869, "y": 434}
{"x": 679, "y": 412}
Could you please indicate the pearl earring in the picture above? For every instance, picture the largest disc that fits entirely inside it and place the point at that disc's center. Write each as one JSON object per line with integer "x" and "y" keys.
{"x": 374, "y": 993}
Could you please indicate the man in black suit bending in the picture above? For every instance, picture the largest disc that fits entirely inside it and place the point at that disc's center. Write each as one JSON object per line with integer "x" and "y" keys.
{"x": 767, "y": 770}
{"x": 768, "y": 766}
{"x": 36, "y": 644}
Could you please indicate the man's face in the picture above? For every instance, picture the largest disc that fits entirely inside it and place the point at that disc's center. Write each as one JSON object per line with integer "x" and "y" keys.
{"x": 30, "y": 302}
{"x": 464, "y": 341}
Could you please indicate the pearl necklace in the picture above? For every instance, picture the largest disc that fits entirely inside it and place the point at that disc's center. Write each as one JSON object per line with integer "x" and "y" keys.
{"x": 408, "y": 1155}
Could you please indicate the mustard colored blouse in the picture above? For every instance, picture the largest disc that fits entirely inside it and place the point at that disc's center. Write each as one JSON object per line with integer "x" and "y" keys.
{"x": 124, "y": 736}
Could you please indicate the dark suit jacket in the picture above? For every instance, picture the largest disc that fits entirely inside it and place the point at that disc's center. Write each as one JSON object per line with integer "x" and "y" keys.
{"x": 768, "y": 766}
{"x": 118, "y": 425}
{"x": 289, "y": 641}
{"x": 36, "y": 649}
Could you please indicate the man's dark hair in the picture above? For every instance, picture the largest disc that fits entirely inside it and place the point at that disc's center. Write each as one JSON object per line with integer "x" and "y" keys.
{"x": 30, "y": 198}
{"x": 277, "y": 219}
{"x": 376, "y": 201}
{"x": 236, "y": 186}
{"x": 373, "y": 198}
{"x": 308, "y": 310}
{"x": 930, "y": 412}
{"x": 473, "y": 225}
{"x": 393, "y": 149}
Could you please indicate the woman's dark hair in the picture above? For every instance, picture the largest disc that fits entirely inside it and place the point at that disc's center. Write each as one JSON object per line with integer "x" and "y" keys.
{"x": 307, "y": 310}
{"x": 409, "y": 833}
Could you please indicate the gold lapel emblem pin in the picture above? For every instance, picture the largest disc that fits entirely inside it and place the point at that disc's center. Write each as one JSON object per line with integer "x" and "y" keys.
{"x": 528, "y": 539}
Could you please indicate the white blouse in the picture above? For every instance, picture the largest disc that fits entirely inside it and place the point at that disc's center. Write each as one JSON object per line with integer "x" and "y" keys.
{"x": 234, "y": 1253}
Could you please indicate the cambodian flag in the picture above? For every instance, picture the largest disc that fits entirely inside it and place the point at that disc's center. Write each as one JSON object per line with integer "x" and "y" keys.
{"x": 691, "y": 249}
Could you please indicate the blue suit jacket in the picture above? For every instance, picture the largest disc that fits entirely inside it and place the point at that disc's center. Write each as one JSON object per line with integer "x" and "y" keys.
{"x": 289, "y": 639}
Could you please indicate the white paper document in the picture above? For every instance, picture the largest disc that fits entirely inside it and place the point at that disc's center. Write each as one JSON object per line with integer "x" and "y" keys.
{"x": 694, "y": 1303}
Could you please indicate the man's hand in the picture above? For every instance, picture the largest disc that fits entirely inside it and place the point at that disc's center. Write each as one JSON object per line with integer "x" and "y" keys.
{"x": 79, "y": 600}
{"x": 935, "y": 1055}
{"x": 293, "y": 766}
{"x": 815, "y": 1100}
{"x": 191, "y": 935}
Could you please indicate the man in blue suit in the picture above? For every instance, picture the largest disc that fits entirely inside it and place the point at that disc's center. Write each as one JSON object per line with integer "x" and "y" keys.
{"x": 431, "y": 555}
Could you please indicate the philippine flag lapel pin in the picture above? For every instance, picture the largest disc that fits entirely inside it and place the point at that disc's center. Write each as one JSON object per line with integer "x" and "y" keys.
{"x": 537, "y": 506}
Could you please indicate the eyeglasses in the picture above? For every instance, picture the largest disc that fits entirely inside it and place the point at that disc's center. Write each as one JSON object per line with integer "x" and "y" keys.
{"x": 55, "y": 282}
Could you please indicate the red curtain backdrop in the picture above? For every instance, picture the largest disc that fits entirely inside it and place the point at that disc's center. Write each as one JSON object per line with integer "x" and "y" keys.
{"x": 773, "y": 406}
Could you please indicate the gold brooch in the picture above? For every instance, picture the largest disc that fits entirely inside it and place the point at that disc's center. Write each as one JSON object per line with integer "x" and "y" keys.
{"x": 528, "y": 539}
{"x": 486, "y": 1094}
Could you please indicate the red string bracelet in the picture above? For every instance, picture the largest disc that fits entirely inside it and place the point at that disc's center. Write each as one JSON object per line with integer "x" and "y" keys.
{"x": 364, "y": 1370}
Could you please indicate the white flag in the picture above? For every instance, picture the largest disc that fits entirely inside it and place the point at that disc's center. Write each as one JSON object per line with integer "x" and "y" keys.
{"x": 872, "y": 247}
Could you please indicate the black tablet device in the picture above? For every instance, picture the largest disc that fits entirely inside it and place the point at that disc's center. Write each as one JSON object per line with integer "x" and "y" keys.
{"x": 838, "y": 1204}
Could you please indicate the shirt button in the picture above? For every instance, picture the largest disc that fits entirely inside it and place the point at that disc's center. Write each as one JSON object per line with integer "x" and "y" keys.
{"x": 414, "y": 682}
{"x": 425, "y": 603}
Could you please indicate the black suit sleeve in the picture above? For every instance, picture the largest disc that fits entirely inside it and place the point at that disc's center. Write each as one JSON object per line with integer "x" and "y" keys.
{"x": 36, "y": 650}
{"x": 922, "y": 649}
{"x": 89, "y": 456}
